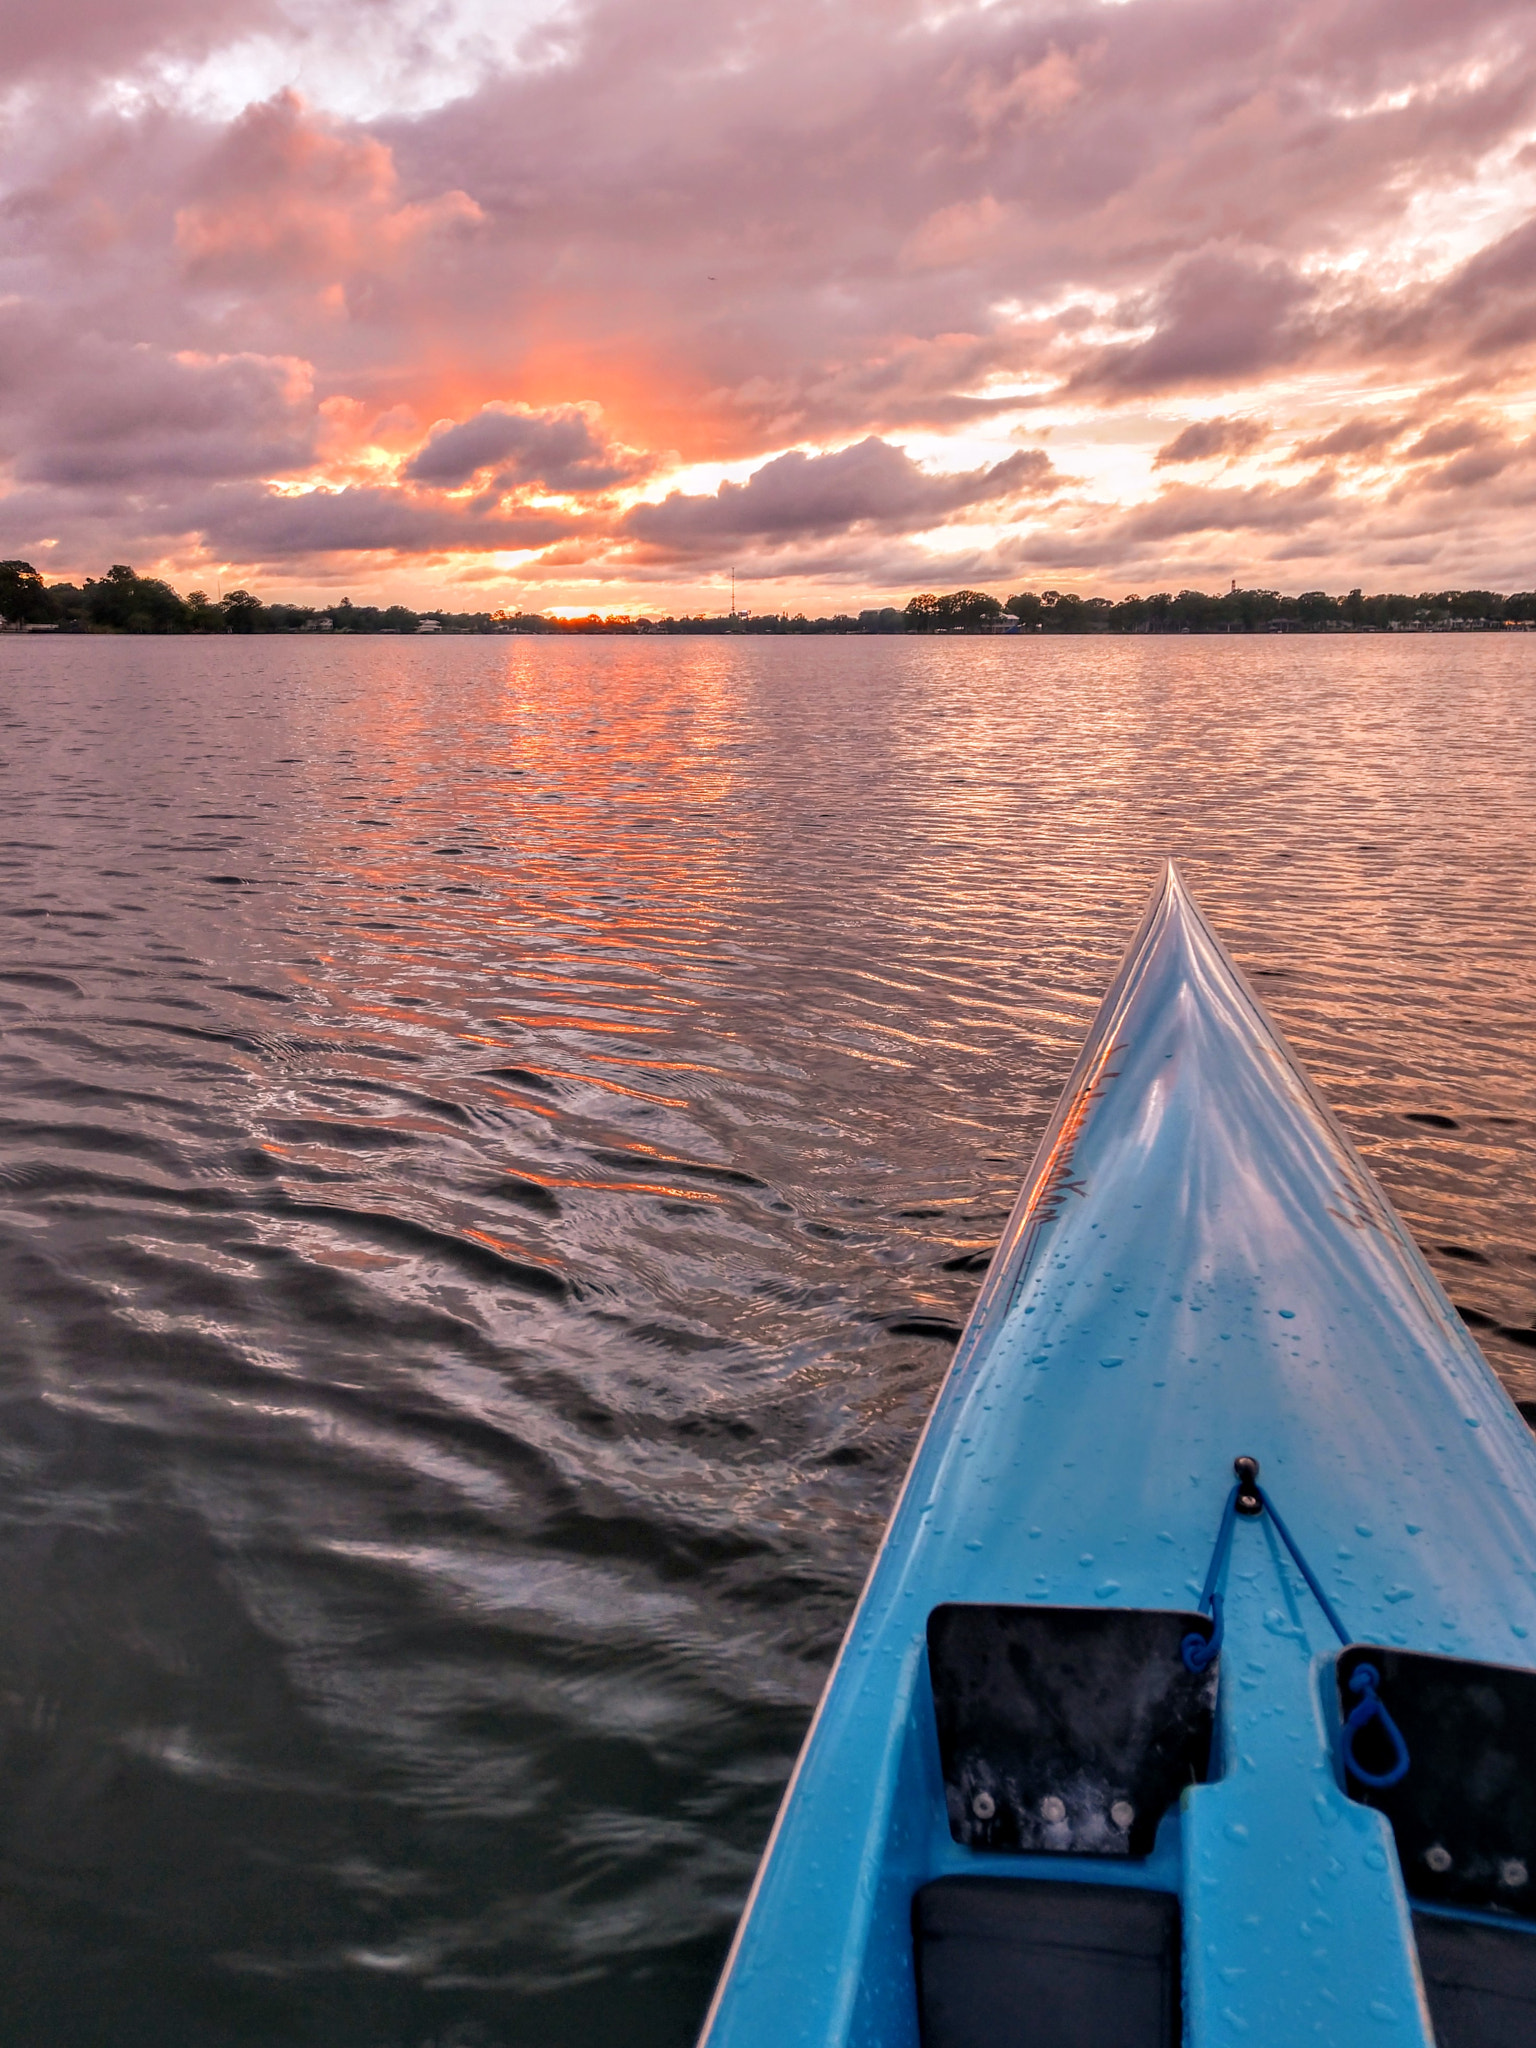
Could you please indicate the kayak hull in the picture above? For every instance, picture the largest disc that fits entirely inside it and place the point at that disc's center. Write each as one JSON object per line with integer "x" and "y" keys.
{"x": 1199, "y": 1266}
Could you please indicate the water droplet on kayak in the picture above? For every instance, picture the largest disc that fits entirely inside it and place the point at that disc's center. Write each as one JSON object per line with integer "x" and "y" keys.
{"x": 1111, "y": 1361}
{"x": 1289, "y": 1314}
{"x": 1109, "y": 1587}
{"x": 1235, "y": 1831}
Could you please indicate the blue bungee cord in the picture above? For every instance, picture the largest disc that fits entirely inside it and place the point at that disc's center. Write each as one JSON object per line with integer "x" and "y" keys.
{"x": 1198, "y": 1652}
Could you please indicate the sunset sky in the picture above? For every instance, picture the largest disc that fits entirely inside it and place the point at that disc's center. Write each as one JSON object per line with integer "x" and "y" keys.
{"x": 524, "y": 302}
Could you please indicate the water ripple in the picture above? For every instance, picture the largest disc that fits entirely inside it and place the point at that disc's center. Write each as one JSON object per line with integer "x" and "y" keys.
{"x": 496, "y": 1141}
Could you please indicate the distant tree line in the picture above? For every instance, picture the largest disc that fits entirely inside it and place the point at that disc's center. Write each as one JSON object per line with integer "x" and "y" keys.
{"x": 124, "y": 602}
{"x": 1193, "y": 611}
{"x": 1056, "y": 611}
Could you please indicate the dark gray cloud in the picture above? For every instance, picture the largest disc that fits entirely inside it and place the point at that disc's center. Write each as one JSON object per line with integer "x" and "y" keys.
{"x": 96, "y": 36}
{"x": 1476, "y": 467}
{"x": 254, "y": 525}
{"x": 1223, "y": 315}
{"x": 1448, "y": 437}
{"x": 1365, "y": 434}
{"x": 1202, "y": 439}
{"x": 135, "y": 416}
{"x": 557, "y": 449}
{"x": 870, "y": 485}
{"x": 1266, "y": 508}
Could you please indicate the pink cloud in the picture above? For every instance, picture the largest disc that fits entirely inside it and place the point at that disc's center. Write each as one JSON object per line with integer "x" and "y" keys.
{"x": 285, "y": 197}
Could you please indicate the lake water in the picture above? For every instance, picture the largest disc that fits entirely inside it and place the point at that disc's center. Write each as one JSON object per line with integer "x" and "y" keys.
{"x": 496, "y": 1139}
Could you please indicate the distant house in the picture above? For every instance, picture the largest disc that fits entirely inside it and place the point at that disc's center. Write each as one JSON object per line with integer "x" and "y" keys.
{"x": 429, "y": 625}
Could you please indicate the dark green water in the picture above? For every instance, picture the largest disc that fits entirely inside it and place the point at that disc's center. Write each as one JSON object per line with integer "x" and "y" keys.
{"x": 496, "y": 1139}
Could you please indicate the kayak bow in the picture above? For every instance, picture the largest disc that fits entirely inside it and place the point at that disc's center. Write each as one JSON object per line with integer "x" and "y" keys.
{"x": 1091, "y": 1769}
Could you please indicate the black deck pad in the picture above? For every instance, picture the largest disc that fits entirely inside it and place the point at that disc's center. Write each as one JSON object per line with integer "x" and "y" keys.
{"x": 1001, "y": 1961}
{"x": 1067, "y": 1729}
{"x": 1465, "y": 1814}
{"x": 1480, "y": 1982}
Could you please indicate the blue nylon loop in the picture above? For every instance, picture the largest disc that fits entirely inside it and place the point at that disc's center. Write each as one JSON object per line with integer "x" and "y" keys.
{"x": 1365, "y": 1681}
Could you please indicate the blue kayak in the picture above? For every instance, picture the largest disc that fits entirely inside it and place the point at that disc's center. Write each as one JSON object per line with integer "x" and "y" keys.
{"x": 1192, "y": 1693}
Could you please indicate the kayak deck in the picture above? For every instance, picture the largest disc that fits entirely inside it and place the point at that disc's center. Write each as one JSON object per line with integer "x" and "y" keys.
{"x": 1199, "y": 1267}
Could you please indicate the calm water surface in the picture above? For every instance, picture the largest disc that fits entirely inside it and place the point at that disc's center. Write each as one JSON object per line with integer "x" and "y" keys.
{"x": 496, "y": 1140}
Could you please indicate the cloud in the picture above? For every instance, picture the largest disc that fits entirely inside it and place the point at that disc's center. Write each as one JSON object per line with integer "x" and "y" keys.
{"x": 557, "y": 449}
{"x": 1365, "y": 434}
{"x": 870, "y": 485}
{"x": 1448, "y": 437}
{"x": 1220, "y": 315}
{"x": 1265, "y": 508}
{"x": 251, "y": 525}
{"x": 137, "y": 415}
{"x": 288, "y": 197}
{"x": 623, "y": 243}
{"x": 1477, "y": 467}
{"x": 101, "y": 36}
{"x": 82, "y": 410}
{"x": 1203, "y": 439}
